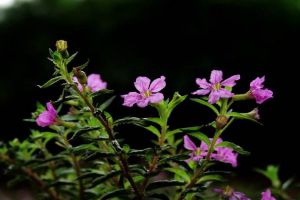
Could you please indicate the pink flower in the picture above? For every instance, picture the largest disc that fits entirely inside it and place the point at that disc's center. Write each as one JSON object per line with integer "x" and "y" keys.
{"x": 197, "y": 152}
{"x": 222, "y": 154}
{"x": 257, "y": 91}
{"x": 148, "y": 93}
{"x": 267, "y": 195}
{"x": 215, "y": 86}
{"x": 48, "y": 117}
{"x": 94, "y": 83}
{"x": 230, "y": 194}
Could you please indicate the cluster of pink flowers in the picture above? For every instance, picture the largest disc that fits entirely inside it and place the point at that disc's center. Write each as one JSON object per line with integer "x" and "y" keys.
{"x": 222, "y": 154}
{"x": 216, "y": 88}
{"x": 94, "y": 83}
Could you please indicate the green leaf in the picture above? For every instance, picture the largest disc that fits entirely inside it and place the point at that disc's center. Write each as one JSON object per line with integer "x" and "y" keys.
{"x": 176, "y": 100}
{"x": 129, "y": 120}
{"x": 104, "y": 105}
{"x": 179, "y": 157}
{"x": 153, "y": 130}
{"x": 164, "y": 183}
{"x": 159, "y": 196}
{"x": 84, "y": 65}
{"x": 51, "y": 82}
{"x": 83, "y": 130}
{"x": 115, "y": 193}
{"x": 233, "y": 146}
{"x": 179, "y": 172}
{"x": 84, "y": 147}
{"x": 205, "y": 103}
{"x": 201, "y": 137}
{"x": 211, "y": 177}
{"x": 242, "y": 116}
{"x": 140, "y": 151}
{"x": 271, "y": 173}
{"x": 71, "y": 58}
{"x": 101, "y": 92}
{"x": 155, "y": 120}
{"x": 101, "y": 179}
{"x": 173, "y": 132}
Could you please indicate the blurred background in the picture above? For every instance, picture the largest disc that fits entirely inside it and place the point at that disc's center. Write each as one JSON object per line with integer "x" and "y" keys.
{"x": 182, "y": 40}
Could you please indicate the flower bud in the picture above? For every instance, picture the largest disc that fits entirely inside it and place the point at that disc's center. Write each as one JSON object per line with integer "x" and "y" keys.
{"x": 221, "y": 121}
{"x": 254, "y": 114}
{"x": 242, "y": 97}
{"x": 61, "y": 45}
{"x": 80, "y": 75}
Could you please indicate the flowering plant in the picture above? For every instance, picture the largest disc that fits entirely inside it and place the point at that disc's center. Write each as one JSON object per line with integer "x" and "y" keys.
{"x": 90, "y": 160}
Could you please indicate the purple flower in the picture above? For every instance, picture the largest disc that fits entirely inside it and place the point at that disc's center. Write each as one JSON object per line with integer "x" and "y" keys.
{"x": 257, "y": 92}
{"x": 267, "y": 195}
{"x": 48, "y": 117}
{"x": 222, "y": 154}
{"x": 215, "y": 86}
{"x": 230, "y": 194}
{"x": 94, "y": 83}
{"x": 197, "y": 152}
{"x": 148, "y": 93}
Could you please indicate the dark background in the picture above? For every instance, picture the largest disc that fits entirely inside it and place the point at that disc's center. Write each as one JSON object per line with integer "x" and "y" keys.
{"x": 179, "y": 39}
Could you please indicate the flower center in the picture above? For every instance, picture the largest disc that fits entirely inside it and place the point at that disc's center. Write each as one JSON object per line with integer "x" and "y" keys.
{"x": 147, "y": 93}
{"x": 216, "y": 86}
{"x": 228, "y": 191}
{"x": 198, "y": 152}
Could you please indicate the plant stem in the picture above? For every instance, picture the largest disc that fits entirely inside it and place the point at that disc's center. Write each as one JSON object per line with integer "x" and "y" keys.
{"x": 98, "y": 115}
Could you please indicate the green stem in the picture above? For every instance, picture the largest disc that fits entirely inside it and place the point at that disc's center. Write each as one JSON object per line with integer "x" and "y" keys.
{"x": 98, "y": 115}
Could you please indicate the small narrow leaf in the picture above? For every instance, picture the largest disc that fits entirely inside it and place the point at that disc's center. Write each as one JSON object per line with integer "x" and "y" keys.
{"x": 101, "y": 92}
{"x": 164, "y": 183}
{"x": 51, "y": 82}
{"x": 155, "y": 120}
{"x": 115, "y": 193}
{"x": 83, "y": 130}
{"x": 104, "y": 105}
{"x": 205, "y": 103}
{"x": 101, "y": 179}
{"x": 242, "y": 116}
{"x": 71, "y": 58}
{"x": 129, "y": 120}
{"x": 211, "y": 177}
{"x": 233, "y": 146}
{"x": 179, "y": 172}
{"x": 152, "y": 129}
{"x": 200, "y": 136}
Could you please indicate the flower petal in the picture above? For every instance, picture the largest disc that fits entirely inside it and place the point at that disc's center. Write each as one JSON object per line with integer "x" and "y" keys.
{"x": 158, "y": 84}
{"x": 131, "y": 98}
{"x": 188, "y": 143}
{"x": 51, "y": 109}
{"x": 223, "y": 93}
{"x": 142, "y": 83}
{"x": 213, "y": 97}
{"x": 201, "y": 92}
{"x": 143, "y": 103}
{"x": 156, "y": 98}
{"x": 230, "y": 82}
{"x": 203, "y": 83}
{"x": 95, "y": 82}
{"x": 216, "y": 76}
{"x": 257, "y": 83}
{"x": 261, "y": 95}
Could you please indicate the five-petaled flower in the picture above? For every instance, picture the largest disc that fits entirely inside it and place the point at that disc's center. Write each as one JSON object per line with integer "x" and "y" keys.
{"x": 258, "y": 92}
{"x": 148, "y": 93}
{"x": 47, "y": 117}
{"x": 267, "y": 195}
{"x": 216, "y": 86}
{"x": 94, "y": 83}
{"x": 230, "y": 194}
{"x": 222, "y": 154}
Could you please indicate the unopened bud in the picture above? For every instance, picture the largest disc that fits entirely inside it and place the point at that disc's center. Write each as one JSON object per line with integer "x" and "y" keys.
{"x": 80, "y": 75}
{"x": 254, "y": 114}
{"x": 221, "y": 121}
{"x": 61, "y": 45}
